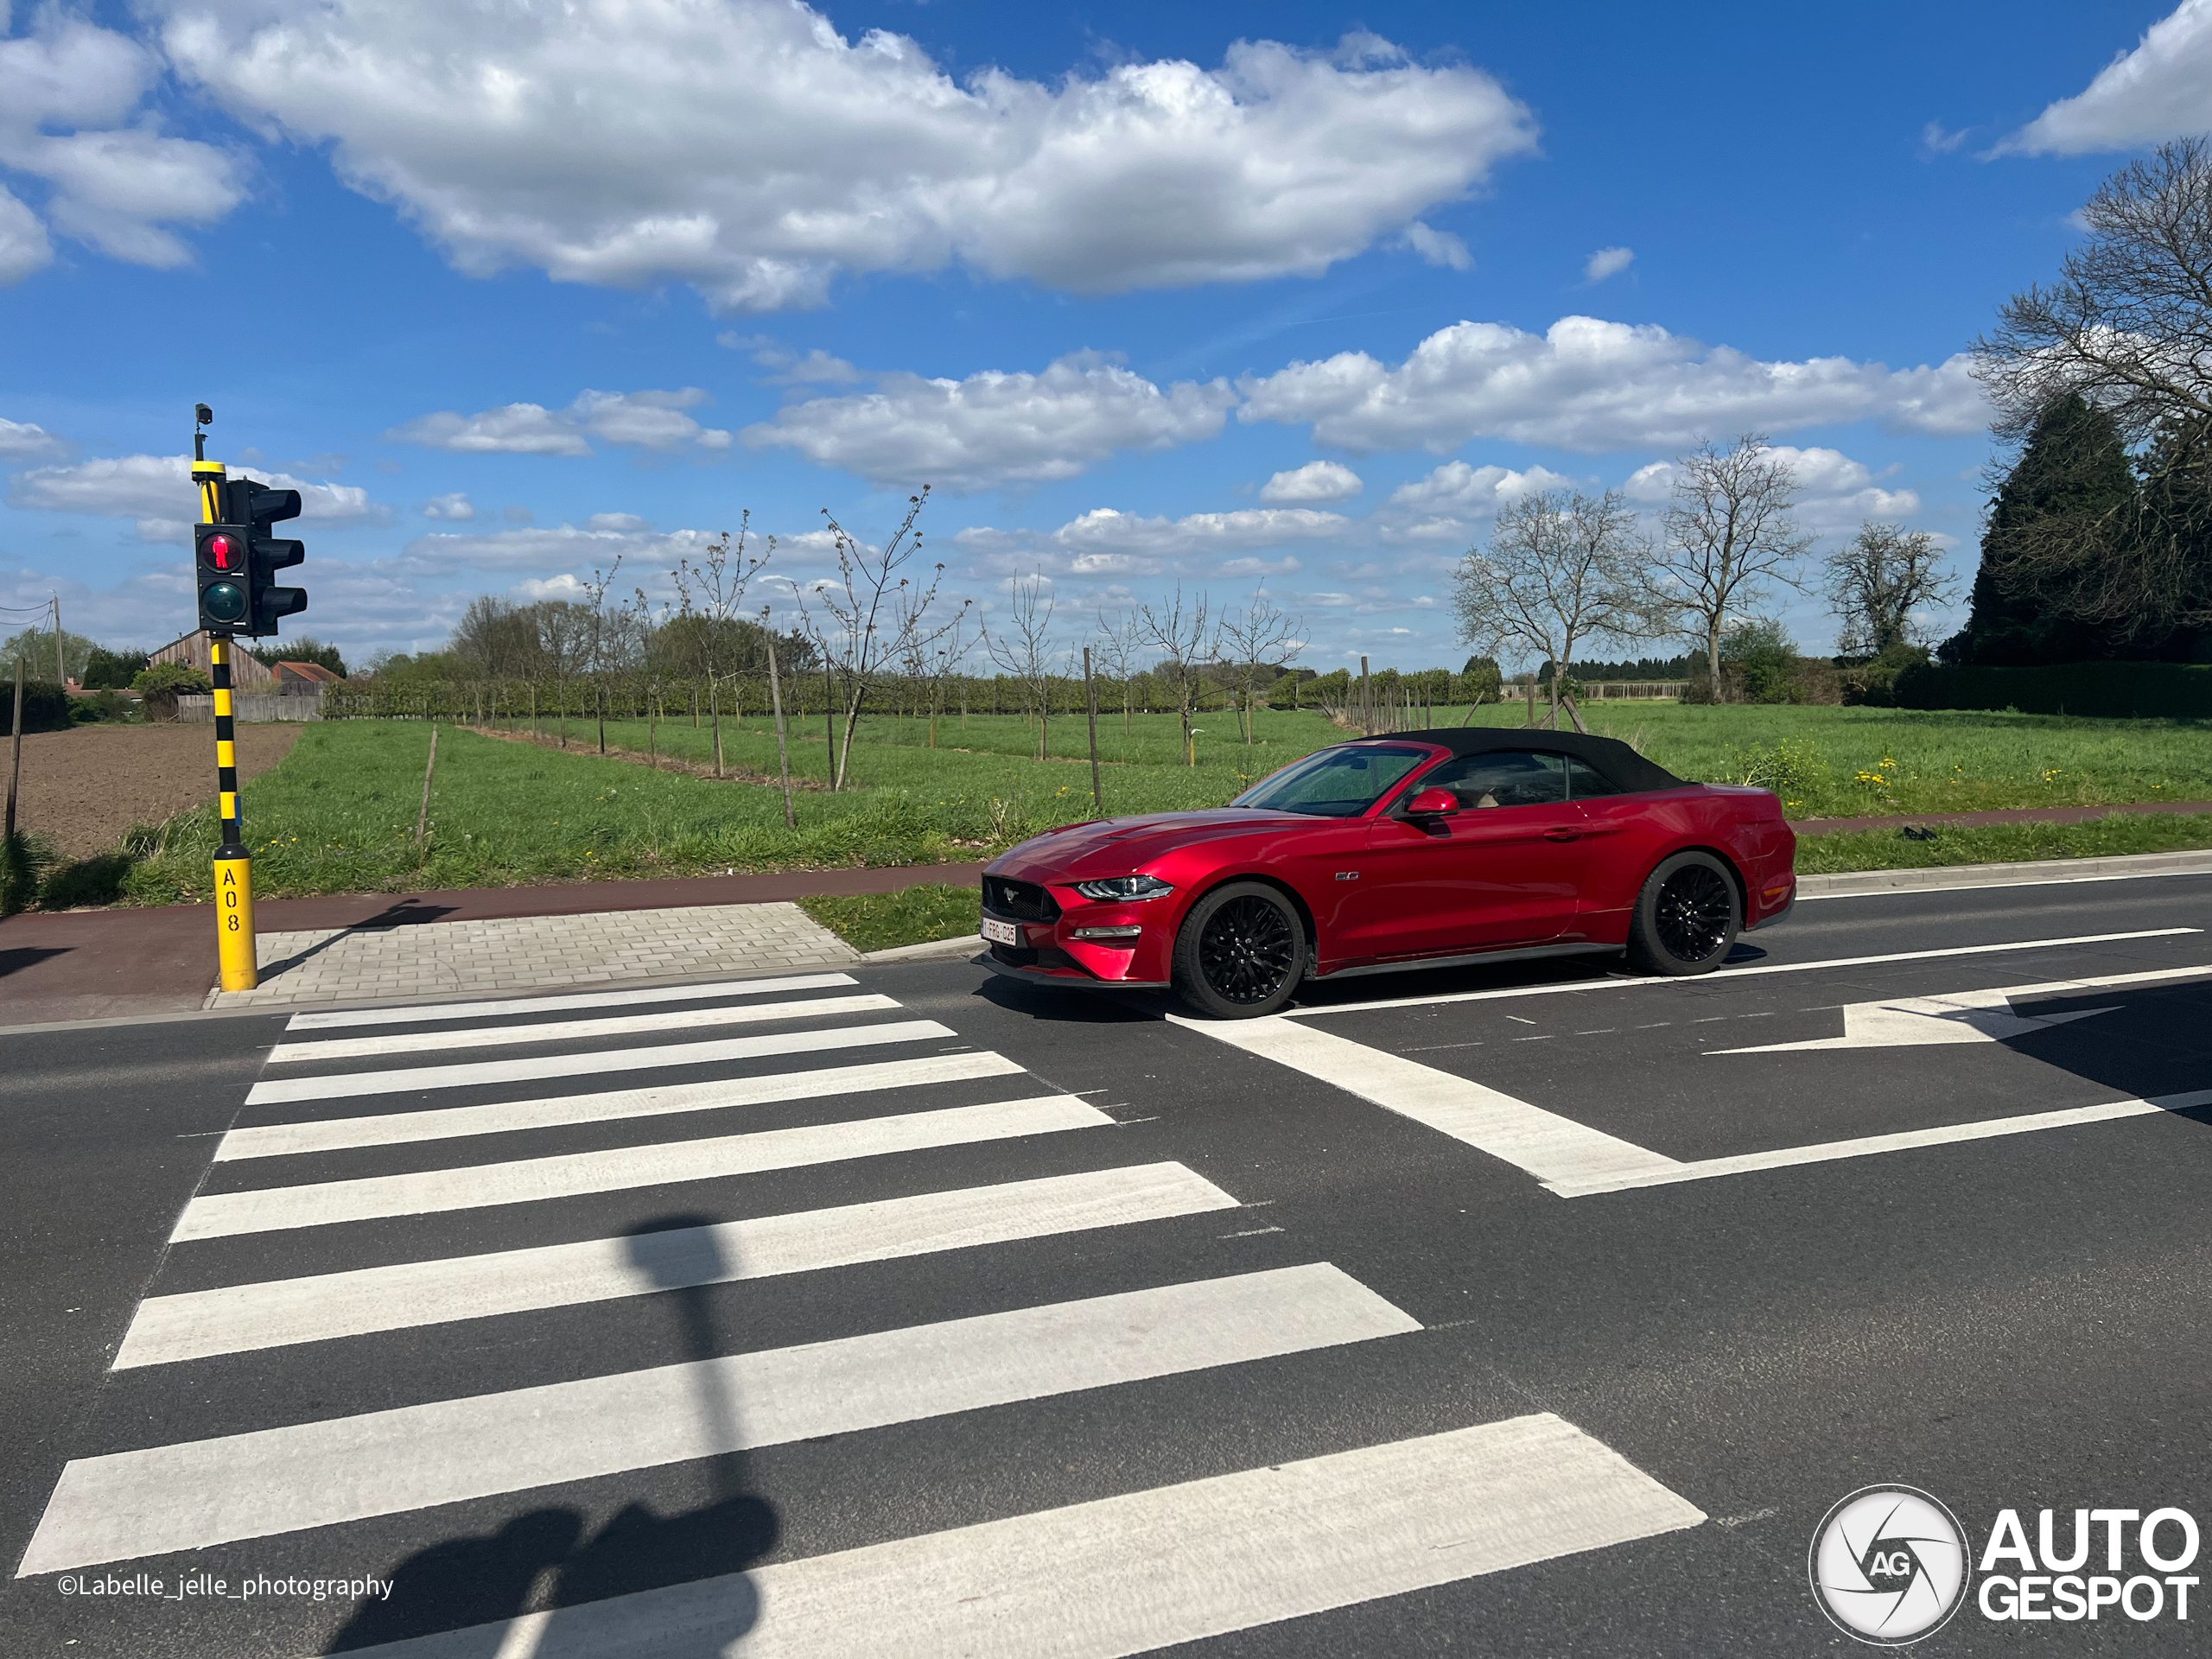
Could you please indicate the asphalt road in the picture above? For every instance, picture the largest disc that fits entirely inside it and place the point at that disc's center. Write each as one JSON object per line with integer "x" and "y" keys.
{"x": 1536, "y": 1311}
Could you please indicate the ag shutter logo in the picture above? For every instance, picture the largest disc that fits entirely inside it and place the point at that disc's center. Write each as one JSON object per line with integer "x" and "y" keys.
{"x": 1889, "y": 1565}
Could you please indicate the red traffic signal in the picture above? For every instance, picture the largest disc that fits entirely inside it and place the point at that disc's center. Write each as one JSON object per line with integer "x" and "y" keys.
{"x": 222, "y": 552}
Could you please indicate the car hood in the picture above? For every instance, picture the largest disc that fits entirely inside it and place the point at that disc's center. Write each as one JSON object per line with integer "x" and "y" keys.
{"x": 1123, "y": 846}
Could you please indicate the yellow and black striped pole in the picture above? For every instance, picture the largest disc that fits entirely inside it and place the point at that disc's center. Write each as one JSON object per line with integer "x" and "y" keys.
{"x": 241, "y": 970}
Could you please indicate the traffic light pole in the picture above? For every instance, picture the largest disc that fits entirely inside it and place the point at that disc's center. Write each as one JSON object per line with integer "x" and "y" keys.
{"x": 236, "y": 952}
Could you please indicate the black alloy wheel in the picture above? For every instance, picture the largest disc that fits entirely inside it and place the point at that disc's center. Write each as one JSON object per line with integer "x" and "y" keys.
{"x": 1240, "y": 952}
{"x": 1686, "y": 918}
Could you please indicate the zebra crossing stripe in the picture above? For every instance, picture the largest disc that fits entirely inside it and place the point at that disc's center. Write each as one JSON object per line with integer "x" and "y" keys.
{"x": 272, "y": 1091}
{"x": 1554, "y": 1149}
{"x": 564, "y": 1031}
{"x": 1125, "y": 1575}
{"x": 555, "y": 1111}
{"x": 418, "y": 1013}
{"x": 533, "y": 1180}
{"x": 267, "y": 1482}
{"x": 239, "y": 1317}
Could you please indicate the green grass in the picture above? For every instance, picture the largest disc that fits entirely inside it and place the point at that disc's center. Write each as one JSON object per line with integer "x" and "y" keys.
{"x": 2004, "y": 844}
{"x": 877, "y": 921}
{"x": 338, "y": 815}
{"x": 1849, "y": 763}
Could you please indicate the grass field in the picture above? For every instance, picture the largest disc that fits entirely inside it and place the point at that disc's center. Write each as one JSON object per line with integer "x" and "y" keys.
{"x": 339, "y": 815}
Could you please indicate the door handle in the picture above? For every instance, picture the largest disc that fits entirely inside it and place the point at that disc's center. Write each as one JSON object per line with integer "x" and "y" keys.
{"x": 1563, "y": 833}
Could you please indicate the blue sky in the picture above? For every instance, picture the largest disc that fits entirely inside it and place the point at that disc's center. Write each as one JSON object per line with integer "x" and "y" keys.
{"x": 1223, "y": 295}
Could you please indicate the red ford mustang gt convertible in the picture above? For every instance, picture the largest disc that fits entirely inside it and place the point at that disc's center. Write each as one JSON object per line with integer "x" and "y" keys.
{"x": 1418, "y": 850}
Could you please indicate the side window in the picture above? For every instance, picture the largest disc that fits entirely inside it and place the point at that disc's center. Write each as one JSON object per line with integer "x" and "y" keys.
{"x": 1502, "y": 778}
{"x": 1584, "y": 780}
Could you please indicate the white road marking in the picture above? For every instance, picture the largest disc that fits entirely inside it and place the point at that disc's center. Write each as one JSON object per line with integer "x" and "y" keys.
{"x": 1867, "y": 1146}
{"x": 1148, "y": 1570}
{"x": 1548, "y": 1145}
{"x": 468, "y": 1073}
{"x": 1984, "y": 1016}
{"x": 239, "y": 1317}
{"x": 534, "y": 1180}
{"x": 1623, "y": 982}
{"x": 562, "y": 1030}
{"x": 271, "y": 1481}
{"x": 418, "y": 1013}
{"x": 449, "y": 1122}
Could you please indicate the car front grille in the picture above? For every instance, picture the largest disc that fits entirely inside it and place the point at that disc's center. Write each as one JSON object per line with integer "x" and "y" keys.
{"x": 1019, "y": 901}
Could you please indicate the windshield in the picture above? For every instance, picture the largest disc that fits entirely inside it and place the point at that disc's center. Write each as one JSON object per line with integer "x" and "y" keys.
{"x": 1336, "y": 783}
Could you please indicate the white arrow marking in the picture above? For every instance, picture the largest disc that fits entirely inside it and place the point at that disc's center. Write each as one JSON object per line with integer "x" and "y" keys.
{"x": 1966, "y": 1017}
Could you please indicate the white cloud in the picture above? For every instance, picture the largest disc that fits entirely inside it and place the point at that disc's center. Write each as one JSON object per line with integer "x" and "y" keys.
{"x": 1457, "y": 491}
{"x": 651, "y": 420}
{"x": 114, "y": 179}
{"x": 1439, "y": 247}
{"x": 1607, "y": 262}
{"x": 1935, "y": 141}
{"x": 1839, "y": 492}
{"x": 615, "y": 521}
{"x": 2163, "y": 89}
{"x": 1105, "y": 543}
{"x": 563, "y": 548}
{"x": 1317, "y": 481}
{"x": 996, "y": 429}
{"x": 1594, "y": 385}
{"x": 746, "y": 148}
{"x": 21, "y": 441}
{"x": 1835, "y": 491}
{"x": 156, "y": 490}
{"x": 455, "y": 506}
{"x": 23, "y": 244}
{"x": 787, "y": 367}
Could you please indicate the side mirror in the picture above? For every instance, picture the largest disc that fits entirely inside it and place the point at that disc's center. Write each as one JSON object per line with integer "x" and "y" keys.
{"x": 1432, "y": 804}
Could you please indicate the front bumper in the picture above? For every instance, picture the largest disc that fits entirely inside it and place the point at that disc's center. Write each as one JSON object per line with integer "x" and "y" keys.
{"x": 1064, "y": 978}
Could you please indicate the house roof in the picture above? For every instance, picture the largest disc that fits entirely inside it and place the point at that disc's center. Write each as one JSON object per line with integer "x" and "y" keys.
{"x": 308, "y": 672}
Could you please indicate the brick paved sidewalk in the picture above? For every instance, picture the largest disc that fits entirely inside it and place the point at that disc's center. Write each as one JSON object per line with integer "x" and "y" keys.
{"x": 527, "y": 953}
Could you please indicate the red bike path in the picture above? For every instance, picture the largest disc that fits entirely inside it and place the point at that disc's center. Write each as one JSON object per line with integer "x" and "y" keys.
{"x": 97, "y": 964}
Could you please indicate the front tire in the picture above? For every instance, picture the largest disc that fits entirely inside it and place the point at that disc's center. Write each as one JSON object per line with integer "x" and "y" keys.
{"x": 1240, "y": 952}
{"x": 1687, "y": 918}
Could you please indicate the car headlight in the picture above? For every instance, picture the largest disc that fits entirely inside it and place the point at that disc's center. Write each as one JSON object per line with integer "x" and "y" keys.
{"x": 1126, "y": 886}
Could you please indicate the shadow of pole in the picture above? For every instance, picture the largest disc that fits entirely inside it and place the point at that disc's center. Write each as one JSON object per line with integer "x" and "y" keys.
{"x": 469, "y": 1586}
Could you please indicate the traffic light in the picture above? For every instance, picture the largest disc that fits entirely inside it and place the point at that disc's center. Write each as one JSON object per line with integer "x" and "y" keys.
{"x": 226, "y": 588}
{"x": 258, "y": 506}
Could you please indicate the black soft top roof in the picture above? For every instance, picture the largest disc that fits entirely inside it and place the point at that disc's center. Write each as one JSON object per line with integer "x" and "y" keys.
{"x": 1635, "y": 774}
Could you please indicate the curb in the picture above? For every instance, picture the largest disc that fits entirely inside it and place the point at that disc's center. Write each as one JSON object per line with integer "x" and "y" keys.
{"x": 1853, "y": 884}
{"x": 929, "y": 951}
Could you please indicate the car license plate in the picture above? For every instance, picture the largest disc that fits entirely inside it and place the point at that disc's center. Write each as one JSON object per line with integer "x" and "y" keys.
{"x": 1002, "y": 932}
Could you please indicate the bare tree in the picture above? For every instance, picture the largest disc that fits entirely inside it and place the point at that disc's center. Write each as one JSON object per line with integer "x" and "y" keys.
{"x": 869, "y": 618}
{"x": 1877, "y": 582}
{"x": 931, "y": 658}
{"x": 1562, "y": 568}
{"x": 1257, "y": 638}
{"x": 2127, "y": 328}
{"x": 1021, "y": 649}
{"x": 564, "y": 646}
{"x": 1188, "y": 637}
{"x": 1727, "y": 533}
{"x": 713, "y": 591}
{"x": 1118, "y": 648}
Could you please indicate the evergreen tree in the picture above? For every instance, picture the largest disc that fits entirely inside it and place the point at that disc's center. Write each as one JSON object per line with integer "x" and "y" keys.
{"x": 2072, "y": 471}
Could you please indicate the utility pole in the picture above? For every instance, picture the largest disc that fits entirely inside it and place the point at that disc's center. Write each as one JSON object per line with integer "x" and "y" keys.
{"x": 1090, "y": 697}
{"x": 776, "y": 701}
{"x": 15, "y": 759}
{"x": 1366, "y": 704}
{"x": 60, "y": 673}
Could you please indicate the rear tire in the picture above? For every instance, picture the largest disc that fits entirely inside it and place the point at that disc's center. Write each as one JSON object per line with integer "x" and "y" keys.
{"x": 1240, "y": 952}
{"x": 1687, "y": 918}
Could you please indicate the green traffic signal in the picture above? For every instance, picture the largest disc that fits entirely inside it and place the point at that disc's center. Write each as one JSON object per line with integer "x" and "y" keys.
{"x": 222, "y": 603}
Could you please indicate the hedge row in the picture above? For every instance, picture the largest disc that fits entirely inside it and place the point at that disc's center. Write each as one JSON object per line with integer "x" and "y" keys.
{"x": 2125, "y": 690}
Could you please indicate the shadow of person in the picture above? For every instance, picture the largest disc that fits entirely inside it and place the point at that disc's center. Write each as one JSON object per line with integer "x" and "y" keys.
{"x": 483, "y": 1582}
